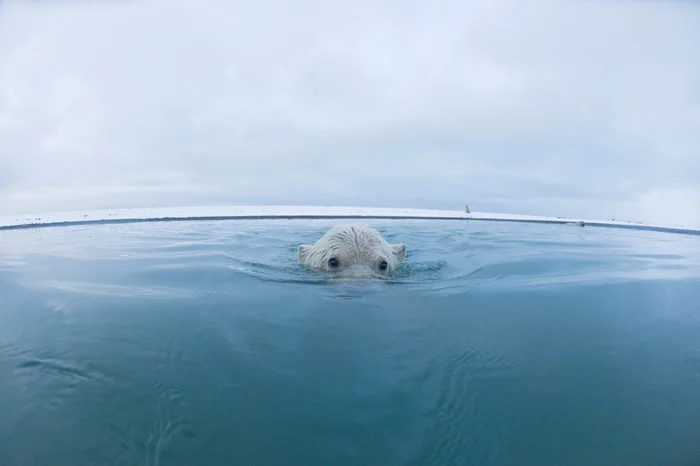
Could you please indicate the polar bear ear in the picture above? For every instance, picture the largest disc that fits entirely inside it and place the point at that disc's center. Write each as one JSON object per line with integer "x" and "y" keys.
{"x": 303, "y": 251}
{"x": 399, "y": 251}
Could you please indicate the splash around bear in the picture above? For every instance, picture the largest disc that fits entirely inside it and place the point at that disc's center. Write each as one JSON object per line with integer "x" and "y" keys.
{"x": 353, "y": 251}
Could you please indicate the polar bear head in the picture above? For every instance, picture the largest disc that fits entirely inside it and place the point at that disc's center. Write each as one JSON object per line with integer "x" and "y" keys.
{"x": 353, "y": 250}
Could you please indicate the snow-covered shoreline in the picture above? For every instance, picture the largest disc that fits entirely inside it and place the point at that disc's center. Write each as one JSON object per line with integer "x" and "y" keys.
{"x": 297, "y": 212}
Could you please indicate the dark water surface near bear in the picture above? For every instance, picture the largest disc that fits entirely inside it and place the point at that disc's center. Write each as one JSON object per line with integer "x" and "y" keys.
{"x": 203, "y": 343}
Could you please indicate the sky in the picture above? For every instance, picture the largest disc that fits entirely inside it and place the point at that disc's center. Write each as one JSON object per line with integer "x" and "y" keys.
{"x": 584, "y": 109}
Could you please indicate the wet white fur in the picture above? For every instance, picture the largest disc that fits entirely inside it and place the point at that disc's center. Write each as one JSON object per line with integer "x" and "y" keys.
{"x": 352, "y": 245}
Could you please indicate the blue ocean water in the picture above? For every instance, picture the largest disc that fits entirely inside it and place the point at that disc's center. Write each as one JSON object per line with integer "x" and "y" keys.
{"x": 203, "y": 343}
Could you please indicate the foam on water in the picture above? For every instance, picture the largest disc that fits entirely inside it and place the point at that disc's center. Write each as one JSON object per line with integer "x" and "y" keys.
{"x": 205, "y": 343}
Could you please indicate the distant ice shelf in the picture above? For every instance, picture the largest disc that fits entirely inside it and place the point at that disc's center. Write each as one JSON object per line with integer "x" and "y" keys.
{"x": 54, "y": 219}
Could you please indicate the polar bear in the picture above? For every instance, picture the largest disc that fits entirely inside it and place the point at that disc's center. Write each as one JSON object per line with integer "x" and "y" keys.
{"x": 353, "y": 250}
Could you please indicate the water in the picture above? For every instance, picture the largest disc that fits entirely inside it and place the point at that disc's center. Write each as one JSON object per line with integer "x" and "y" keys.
{"x": 204, "y": 343}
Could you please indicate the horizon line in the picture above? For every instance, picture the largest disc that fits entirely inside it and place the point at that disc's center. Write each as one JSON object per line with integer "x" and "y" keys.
{"x": 302, "y": 212}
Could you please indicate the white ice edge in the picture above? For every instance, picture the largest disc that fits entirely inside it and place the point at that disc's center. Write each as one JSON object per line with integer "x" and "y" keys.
{"x": 291, "y": 212}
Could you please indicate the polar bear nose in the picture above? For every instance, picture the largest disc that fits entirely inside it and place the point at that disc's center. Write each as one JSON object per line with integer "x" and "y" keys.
{"x": 360, "y": 271}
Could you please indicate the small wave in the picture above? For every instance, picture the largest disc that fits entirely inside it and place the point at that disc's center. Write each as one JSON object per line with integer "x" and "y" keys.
{"x": 112, "y": 290}
{"x": 53, "y": 367}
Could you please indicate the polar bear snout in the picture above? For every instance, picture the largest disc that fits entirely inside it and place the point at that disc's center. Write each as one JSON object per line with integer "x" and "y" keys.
{"x": 358, "y": 271}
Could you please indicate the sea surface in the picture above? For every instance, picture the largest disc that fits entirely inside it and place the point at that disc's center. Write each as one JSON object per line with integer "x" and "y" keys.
{"x": 204, "y": 343}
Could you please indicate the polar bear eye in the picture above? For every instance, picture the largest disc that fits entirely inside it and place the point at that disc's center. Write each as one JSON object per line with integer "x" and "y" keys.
{"x": 333, "y": 262}
{"x": 383, "y": 265}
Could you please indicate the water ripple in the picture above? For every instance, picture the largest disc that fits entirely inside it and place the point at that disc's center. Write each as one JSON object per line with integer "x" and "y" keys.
{"x": 443, "y": 258}
{"x": 54, "y": 367}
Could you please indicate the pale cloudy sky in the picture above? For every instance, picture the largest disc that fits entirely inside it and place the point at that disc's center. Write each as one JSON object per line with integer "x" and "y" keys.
{"x": 571, "y": 108}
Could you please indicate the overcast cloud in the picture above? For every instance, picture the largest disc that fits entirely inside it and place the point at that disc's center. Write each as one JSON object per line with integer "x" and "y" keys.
{"x": 588, "y": 108}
